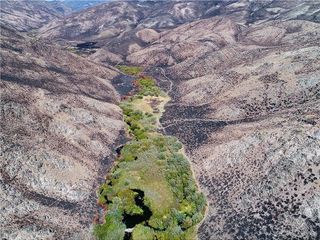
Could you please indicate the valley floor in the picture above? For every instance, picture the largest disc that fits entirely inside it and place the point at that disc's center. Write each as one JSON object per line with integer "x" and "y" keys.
{"x": 150, "y": 192}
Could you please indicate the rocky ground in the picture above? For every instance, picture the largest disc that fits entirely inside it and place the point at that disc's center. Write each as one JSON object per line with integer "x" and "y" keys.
{"x": 59, "y": 126}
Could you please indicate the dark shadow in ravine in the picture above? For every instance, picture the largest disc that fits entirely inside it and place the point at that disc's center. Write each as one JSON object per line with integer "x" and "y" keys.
{"x": 132, "y": 220}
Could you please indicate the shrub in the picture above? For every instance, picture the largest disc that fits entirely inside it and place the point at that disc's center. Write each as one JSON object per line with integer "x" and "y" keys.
{"x": 141, "y": 232}
{"x": 104, "y": 194}
{"x": 128, "y": 201}
{"x": 147, "y": 86}
{"x": 113, "y": 229}
{"x": 109, "y": 231}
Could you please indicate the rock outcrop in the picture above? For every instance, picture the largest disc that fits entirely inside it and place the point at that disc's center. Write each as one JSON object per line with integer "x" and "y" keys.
{"x": 148, "y": 35}
{"x": 59, "y": 125}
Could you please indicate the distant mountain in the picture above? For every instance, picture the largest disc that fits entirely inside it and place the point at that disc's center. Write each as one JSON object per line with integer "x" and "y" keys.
{"x": 122, "y": 27}
{"x": 77, "y": 5}
{"x": 23, "y": 15}
{"x": 117, "y": 24}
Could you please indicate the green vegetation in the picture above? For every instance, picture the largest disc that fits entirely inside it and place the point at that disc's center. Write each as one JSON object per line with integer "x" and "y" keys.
{"x": 129, "y": 70}
{"x": 154, "y": 164}
{"x": 148, "y": 87}
{"x": 141, "y": 232}
{"x": 113, "y": 229}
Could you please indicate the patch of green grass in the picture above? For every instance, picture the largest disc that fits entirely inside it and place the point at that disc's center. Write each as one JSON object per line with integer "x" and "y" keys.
{"x": 129, "y": 70}
{"x": 151, "y": 163}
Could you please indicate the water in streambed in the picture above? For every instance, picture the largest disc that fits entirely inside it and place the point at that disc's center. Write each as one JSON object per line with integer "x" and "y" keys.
{"x": 132, "y": 220}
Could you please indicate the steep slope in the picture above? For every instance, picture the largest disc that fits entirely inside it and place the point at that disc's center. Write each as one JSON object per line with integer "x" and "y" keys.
{"x": 246, "y": 103}
{"x": 59, "y": 125}
{"x": 24, "y": 15}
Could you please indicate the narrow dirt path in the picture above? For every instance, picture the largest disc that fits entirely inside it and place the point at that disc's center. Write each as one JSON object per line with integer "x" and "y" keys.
{"x": 163, "y": 72}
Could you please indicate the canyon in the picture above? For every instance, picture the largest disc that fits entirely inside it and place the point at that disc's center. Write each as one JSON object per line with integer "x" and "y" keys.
{"x": 244, "y": 82}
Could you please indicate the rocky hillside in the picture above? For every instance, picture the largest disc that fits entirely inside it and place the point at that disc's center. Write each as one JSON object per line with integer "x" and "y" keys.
{"x": 25, "y": 15}
{"x": 59, "y": 126}
{"x": 246, "y": 103}
{"x": 122, "y": 27}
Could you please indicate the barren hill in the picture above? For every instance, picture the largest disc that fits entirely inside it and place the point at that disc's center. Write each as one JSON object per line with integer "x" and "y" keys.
{"x": 59, "y": 123}
{"x": 122, "y": 27}
{"x": 24, "y": 15}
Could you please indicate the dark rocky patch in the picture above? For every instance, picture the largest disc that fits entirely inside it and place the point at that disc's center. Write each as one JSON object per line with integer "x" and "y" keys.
{"x": 193, "y": 133}
{"x": 123, "y": 84}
